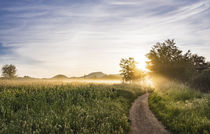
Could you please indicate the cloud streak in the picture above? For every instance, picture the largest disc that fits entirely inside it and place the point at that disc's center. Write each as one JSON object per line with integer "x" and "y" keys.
{"x": 79, "y": 37}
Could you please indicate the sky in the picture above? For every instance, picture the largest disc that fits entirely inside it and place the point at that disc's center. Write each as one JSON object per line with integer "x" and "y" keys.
{"x": 75, "y": 37}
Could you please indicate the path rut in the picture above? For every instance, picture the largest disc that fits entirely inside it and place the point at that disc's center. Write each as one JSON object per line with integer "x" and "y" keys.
{"x": 143, "y": 120}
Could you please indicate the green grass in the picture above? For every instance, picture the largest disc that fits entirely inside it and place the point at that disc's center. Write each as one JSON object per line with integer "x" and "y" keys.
{"x": 65, "y": 108}
{"x": 181, "y": 109}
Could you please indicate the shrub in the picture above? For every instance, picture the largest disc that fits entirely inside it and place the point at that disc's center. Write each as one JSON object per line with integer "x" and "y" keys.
{"x": 202, "y": 81}
{"x": 181, "y": 109}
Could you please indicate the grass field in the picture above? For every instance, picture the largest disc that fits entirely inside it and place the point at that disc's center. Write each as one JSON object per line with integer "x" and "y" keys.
{"x": 181, "y": 109}
{"x": 50, "y": 107}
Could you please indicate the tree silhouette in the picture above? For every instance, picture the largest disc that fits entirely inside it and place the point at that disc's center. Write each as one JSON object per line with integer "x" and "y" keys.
{"x": 9, "y": 71}
{"x": 128, "y": 70}
{"x": 165, "y": 58}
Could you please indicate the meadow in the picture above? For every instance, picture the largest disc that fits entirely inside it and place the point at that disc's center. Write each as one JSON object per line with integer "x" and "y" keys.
{"x": 181, "y": 109}
{"x": 52, "y": 106}
{"x": 33, "y": 107}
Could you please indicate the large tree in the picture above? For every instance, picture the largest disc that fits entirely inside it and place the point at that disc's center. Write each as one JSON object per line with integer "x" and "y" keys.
{"x": 165, "y": 58}
{"x": 9, "y": 71}
{"x": 128, "y": 70}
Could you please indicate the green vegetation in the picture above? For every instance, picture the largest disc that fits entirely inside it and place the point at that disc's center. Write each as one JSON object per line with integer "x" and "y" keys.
{"x": 167, "y": 60}
{"x": 9, "y": 71}
{"x": 181, "y": 109}
{"x": 202, "y": 80}
{"x": 33, "y": 106}
{"x": 46, "y": 107}
{"x": 129, "y": 70}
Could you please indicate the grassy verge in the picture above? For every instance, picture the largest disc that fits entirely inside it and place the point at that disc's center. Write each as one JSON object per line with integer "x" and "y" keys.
{"x": 181, "y": 109}
{"x": 70, "y": 108}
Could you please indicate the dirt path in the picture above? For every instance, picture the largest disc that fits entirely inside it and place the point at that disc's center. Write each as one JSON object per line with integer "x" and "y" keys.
{"x": 142, "y": 119}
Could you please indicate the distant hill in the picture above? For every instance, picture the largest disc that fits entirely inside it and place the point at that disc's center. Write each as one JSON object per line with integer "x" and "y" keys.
{"x": 28, "y": 77}
{"x": 101, "y": 75}
{"x": 60, "y": 76}
{"x": 94, "y": 75}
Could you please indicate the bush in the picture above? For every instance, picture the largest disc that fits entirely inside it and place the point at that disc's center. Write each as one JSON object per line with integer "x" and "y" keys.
{"x": 181, "y": 109}
{"x": 202, "y": 81}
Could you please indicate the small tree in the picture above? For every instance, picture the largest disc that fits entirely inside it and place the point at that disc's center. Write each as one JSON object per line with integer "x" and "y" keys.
{"x": 128, "y": 70}
{"x": 9, "y": 71}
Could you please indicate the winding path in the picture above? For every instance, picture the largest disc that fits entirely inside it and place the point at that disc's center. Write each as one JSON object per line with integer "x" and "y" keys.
{"x": 143, "y": 120}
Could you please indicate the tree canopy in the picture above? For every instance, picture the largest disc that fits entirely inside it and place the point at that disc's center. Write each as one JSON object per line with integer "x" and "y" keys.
{"x": 129, "y": 70}
{"x": 9, "y": 71}
{"x": 165, "y": 58}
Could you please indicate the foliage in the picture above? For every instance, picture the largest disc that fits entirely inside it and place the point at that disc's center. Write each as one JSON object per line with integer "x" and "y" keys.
{"x": 181, "y": 109}
{"x": 202, "y": 81}
{"x": 198, "y": 62}
{"x": 129, "y": 71}
{"x": 166, "y": 59}
{"x": 34, "y": 107}
{"x": 9, "y": 71}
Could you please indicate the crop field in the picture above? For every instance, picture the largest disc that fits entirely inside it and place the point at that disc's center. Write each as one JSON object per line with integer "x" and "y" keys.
{"x": 50, "y": 107}
{"x": 181, "y": 109}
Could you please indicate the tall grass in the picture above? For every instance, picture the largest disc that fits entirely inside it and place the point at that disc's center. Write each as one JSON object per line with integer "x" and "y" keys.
{"x": 44, "y": 107}
{"x": 181, "y": 109}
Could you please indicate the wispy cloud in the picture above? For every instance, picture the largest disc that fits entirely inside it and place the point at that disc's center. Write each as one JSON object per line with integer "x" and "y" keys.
{"x": 78, "y": 37}
{"x": 5, "y": 50}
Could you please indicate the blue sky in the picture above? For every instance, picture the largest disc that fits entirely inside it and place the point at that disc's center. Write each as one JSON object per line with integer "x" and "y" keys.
{"x": 74, "y": 37}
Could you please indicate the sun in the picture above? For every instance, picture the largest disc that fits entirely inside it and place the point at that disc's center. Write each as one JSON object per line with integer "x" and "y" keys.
{"x": 141, "y": 64}
{"x": 141, "y": 60}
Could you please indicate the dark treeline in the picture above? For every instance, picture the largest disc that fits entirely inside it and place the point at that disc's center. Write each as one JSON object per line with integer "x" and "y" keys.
{"x": 166, "y": 59}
